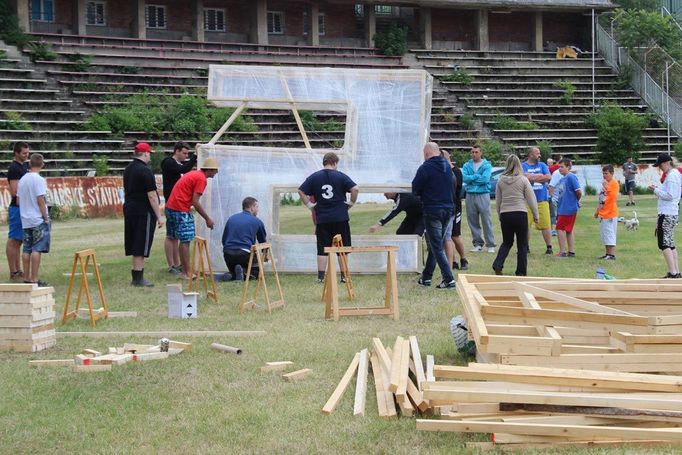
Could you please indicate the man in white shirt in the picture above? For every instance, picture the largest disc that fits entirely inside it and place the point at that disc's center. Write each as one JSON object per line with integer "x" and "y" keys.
{"x": 35, "y": 220}
{"x": 668, "y": 196}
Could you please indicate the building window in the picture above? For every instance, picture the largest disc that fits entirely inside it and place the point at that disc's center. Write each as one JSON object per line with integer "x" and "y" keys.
{"x": 95, "y": 13}
{"x": 42, "y": 10}
{"x": 359, "y": 10}
{"x": 155, "y": 16}
{"x": 322, "y": 23}
{"x": 386, "y": 10}
{"x": 275, "y": 22}
{"x": 214, "y": 20}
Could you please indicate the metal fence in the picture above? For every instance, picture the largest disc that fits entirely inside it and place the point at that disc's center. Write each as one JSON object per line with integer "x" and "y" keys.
{"x": 674, "y": 6}
{"x": 653, "y": 75}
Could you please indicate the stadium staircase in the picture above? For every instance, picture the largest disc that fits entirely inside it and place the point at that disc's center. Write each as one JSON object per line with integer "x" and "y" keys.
{"x": 525, "y": 86}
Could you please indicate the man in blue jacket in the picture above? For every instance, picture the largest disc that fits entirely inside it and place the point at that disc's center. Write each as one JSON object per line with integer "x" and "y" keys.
{"x": 241, "y": 231}
{"x": 434, "y": 185}
{"x": 476, "y": 174}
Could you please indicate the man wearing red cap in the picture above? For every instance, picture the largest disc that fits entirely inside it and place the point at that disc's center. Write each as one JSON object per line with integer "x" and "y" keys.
{"x": 140, "y": 211}
{"x": 185, "y": 195}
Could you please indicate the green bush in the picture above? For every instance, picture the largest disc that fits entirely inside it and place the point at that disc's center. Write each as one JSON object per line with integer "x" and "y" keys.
{"x": 590, "y": 190}
{"x": 545, "y": 147}
{"x": 101, "y": 164}
{"x": 288, "y": 199}
{"x": 41, "y": 51}
{"x": 503, "y": 122}
{"x": 459, "y": 75}
{"x": 312, "y": 123}
{"x": 569, "y": 90}
{"x": 129, "y": 70}
{"x": 651, "y": 5}
{"x": 15, "y": 121}
{"x": 81, "y": 63}
{"x": 493, "y": 151}
{"x": 3, "y": 55}
{"x": 392, "y": 42}
{"x": 619, "y": 133}
{"x": 467, "y": 122}
{"x": 187, "y": 115}
{"x": 156, "y": 158}
{"x": 63, "y": 213}
{"x": 677, "y": 150}
{"x": 622, "y": 82}
{"x": 10, "y": 31}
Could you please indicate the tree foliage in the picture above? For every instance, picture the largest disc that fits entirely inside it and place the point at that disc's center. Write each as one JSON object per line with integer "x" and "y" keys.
{"x": 393, "y": 41}
{"x": 619, "y": 133}
{"x": 640, "y": 28}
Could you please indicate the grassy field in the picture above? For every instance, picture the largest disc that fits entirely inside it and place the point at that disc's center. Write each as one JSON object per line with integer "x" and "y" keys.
{"x": 205, "y": 402}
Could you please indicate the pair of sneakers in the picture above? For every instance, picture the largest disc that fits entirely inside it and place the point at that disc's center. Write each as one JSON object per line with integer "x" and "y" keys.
{"x": 443, "y": 285}
{"x": 608, "y": 257}
{"x": 673, "y": 275}
{"x": 463, "y": 266}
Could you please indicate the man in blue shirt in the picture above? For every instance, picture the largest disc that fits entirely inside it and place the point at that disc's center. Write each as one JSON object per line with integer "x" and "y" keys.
{"x": 538, "y": 174}
{"x": 242, "y": 230}
{"x": 476, "y": 174}
{"x": 567, "y": 208}
{"x": 329, "y": 187}
{"x": 434, "y": 184}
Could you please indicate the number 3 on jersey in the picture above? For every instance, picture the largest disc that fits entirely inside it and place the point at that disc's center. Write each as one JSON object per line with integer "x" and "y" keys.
{"x": 327, "y": 191}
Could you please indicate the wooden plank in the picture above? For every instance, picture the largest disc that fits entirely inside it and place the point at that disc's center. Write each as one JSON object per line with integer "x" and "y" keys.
{"x": 395, "y": 366}
{"x": 50, "y": 363}
{"x": 568, "y": 300}
{"x": 180, "y": 345}
{"x": 565, "y": 317}
{"x": 642, "y": 400}
{"x": 550, "y": 429}
{"x": 335, "y": 397}
{"x": 404, "y": 372}
{"x": 429, "y": 368}
{"x": 382, "y": 356}
{"x": 91, "y": 368}
{"x": 276, "y": 366}
{"x": 297, "y": 375}
{"x": 145, "y": 356}
{"x": 418, "y": 365}
{"x": 382, "y": 394}
{"x": 166, "y": 333}
{"x": 361, "y": 384}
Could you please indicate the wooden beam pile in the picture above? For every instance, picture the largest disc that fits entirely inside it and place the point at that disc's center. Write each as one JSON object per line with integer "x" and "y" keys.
{"x": 620, "y": 325}
{"x": 398, "y": 374}
{"x": 26, "y": 318}
{"x": 528, "y": 406}
{"x": 90, "y": 360}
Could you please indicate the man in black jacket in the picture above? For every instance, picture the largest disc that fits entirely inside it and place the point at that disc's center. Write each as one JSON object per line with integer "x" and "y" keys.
{"x": 414, "y": 214}
{"x": 172, "y": 168}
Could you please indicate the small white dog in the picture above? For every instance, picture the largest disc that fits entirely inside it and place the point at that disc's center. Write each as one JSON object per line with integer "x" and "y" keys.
{"x": 632, "y": 224}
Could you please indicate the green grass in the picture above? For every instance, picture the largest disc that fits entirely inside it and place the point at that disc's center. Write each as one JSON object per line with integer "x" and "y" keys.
{"x": 206, "y": 402}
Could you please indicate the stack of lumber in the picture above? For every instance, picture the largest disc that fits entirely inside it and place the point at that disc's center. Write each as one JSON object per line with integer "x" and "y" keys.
{"x": 90, "y": 360}
{"x": 543, "y": 407}
{"x": 26, "y": 318}
{"x": 398, "y": 378}
{"x": 619, "y": 325}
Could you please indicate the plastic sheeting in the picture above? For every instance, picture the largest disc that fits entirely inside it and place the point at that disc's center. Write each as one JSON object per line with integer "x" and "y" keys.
{"x": 387, "y": 124}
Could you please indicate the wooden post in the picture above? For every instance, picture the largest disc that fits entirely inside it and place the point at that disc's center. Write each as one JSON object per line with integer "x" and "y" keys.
{"x": 79, "y": 263}
{"x": 200, "y": 261}
{"x": 260, "y": 252}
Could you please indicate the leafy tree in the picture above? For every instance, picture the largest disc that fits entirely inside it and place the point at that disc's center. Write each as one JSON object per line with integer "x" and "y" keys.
{"x": 393, "y": 41}
{"x": 640, "y": 28}
{"x": 619, "y": 133}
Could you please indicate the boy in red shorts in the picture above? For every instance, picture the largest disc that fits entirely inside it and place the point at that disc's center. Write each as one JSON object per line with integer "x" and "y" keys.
{"x": 567, "y": 208}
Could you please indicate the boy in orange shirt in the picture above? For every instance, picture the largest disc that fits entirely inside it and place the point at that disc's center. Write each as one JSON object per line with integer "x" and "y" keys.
{"x": 607, "y": 212}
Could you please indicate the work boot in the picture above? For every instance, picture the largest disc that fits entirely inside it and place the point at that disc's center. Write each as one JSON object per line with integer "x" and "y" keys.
{"x": 138, "y": 279}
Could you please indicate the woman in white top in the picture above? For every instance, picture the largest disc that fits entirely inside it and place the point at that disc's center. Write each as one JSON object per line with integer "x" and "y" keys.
{"x": 514, "y": 196}
{"x": 668, "y": 207}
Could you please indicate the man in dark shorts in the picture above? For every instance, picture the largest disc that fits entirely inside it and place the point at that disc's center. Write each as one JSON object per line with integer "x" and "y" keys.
{"x": 629, "y": 173}
{"x": 329, "y": 187}
{"x": 414, "y": 216}
{"x": 15, "y": 238}
{"x": 172, "y": 168}
{"x": 140, "y": 211}
{"x": 243, "y": 230}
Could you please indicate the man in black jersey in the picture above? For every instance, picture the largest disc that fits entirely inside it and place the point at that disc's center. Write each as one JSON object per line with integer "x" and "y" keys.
{"x": 414, "y": 216}
{"x": 16, "y": 170}
{"x": 329, "y": 187}
{"x": 172, "y": 168}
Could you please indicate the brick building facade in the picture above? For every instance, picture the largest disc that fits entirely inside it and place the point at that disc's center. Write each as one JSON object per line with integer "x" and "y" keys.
{"x": 450, "y": 24}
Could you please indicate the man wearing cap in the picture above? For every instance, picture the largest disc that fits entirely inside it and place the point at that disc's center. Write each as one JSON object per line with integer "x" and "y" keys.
{"x": 668, "y": 196}
{"x": 15, "y": 238}
{"x": 140, "y": 211}
{"x": 183, "y": 197}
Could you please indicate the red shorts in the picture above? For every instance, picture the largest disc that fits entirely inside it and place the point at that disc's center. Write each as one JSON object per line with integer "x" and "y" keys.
{"x": 565, "y": 223}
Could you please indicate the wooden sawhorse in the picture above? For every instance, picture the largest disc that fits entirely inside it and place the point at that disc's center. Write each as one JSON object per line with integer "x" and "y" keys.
{"x": 260, "y": 251}
{"x": 100, "y": 313}
{"x": 345, "y": 271}
{"x": 201, "y": 260}
{"x": 332, "y": 308}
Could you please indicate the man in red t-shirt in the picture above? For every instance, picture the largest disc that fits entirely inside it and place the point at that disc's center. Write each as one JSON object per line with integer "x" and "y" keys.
{"x": 183, "y": 197}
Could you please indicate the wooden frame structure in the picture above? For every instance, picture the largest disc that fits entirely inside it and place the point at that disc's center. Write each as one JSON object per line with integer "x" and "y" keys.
{"x": 330, "y": 295}
{"x": 81, "y": 260}
{"x": 260, "y": 251}
{"x": 345, "y": 271}
{"x": 620, "y": 325}
{"x": 201, "y": 261}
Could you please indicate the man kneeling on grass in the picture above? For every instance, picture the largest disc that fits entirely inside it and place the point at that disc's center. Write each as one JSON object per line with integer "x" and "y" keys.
{"x": 35, "y": 219}
{"x": 242, "y": 230}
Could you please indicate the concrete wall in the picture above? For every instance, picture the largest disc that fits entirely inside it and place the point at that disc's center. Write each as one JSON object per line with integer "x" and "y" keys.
{"x": 565, "y": 29}
{"x": 511, "y": 32}
{"x": 453, "y": 29}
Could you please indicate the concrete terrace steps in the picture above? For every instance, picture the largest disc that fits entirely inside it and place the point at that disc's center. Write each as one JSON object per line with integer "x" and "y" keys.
{"x": 110, "y": 75}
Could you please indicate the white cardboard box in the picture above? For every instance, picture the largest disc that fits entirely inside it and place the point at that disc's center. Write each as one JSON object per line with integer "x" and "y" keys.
{"x": 181, "y": 305}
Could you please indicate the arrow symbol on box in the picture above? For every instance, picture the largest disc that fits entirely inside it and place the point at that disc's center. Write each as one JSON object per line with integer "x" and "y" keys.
{"x": 189, "y": 315}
